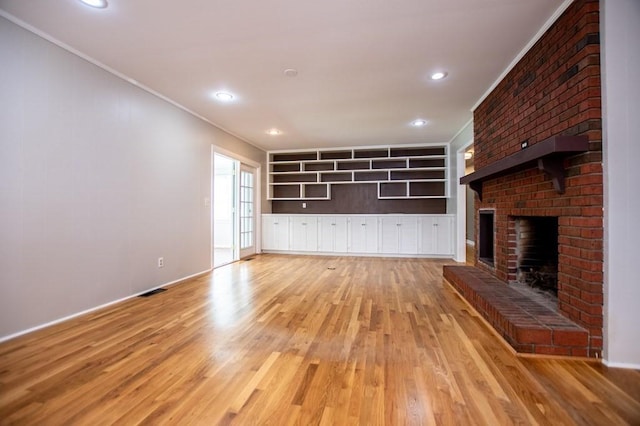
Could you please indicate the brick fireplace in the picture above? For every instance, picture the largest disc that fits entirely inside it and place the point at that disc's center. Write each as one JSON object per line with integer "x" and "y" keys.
{"x": 553, "y": 91}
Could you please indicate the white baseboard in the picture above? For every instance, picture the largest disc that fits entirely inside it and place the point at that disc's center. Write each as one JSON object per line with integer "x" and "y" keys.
{"x": 87, "y": 311}
{"x": 351, "y": 254}
{"x": 628, "y": 366}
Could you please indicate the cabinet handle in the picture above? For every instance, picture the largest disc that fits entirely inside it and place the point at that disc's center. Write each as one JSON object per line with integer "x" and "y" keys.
{"x": 398, "y": 224}
{"x": 333, "y": 224}
{"x": 363, "y": 224}
{"x": 304, "y": 224}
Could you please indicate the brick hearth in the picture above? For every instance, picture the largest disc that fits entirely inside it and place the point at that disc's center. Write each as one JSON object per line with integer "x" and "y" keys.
{"x": 526, "y": 325}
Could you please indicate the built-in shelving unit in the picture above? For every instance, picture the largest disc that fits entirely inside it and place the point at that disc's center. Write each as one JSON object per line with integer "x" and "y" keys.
{"x": 400, "y": 172}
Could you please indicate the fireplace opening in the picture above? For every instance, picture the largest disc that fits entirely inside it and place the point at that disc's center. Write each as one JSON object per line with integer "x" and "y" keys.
{"x": 485, "y": 236}
{"x": 537, "y": 253}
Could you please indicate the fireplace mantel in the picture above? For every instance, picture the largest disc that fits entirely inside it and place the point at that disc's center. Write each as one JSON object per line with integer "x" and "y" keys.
{"x": 549, "y": 155}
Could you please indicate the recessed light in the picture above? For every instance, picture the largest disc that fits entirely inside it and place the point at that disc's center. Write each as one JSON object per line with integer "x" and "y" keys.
{"x": 419, "y": 122}
{"x": 438, "y": 75}
{"x": 290, "y": 72}
{"x": 224, "y": 96}
{"x": 273, "y": 132}
{"x": 99, "y": 4}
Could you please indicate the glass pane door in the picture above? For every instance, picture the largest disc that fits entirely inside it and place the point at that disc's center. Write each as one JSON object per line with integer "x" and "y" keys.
{"x": 224, "y": 220}
{"x": 247, "y": 217}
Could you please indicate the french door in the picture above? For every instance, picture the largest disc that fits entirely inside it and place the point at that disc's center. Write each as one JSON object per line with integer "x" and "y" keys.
{"x": 234, "y": 200}
{"x": 247, "y": 209}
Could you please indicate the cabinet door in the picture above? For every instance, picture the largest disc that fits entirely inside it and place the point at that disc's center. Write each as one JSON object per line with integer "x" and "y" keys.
{"x": 363, "y": 234}
{"x": 332, "y": 234}
{"x": 444, "y": 235}
{"x": 275, "y": 232}
{"x": 436, "y": 235}
{"x": 326, "y": 234}
{"x": 390, "y": 234}
{"x": 407, "y": 235}
{"x": 399, "y": 235}
{"x": 341, "y": 234}
{"x": 304, "y": 233}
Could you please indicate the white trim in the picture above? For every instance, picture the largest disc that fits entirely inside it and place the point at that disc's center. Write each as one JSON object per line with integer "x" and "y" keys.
{"x": 118, "y": 74}
{"x": 460, "y": 131}
{"x": 96, "y": 308}
{"x": 358, "y": 254}
{"x": 234, "y": 156}
{"x": 629, "y": 366}
{"x": 461, "y": 201}
{"x": 559, "y": 11}
{"x": 258, "y": 194}
{"x": 352, "y": 147}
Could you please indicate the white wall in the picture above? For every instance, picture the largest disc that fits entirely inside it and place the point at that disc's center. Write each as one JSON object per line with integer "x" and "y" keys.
{"x": 620, "y": 32}
{"x": 458, "y": 192}
{"x": 98, "y": 178}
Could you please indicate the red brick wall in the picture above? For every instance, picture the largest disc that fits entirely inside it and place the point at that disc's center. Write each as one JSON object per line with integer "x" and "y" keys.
{"x": 553, "y": 90}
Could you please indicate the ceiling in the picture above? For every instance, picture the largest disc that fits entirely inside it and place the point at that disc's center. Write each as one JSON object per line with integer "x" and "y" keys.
{"x": 363, "y": 65}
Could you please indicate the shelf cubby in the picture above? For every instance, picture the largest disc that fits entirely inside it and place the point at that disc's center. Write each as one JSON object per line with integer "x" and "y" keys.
{"x": 336, "y": 155}
{"x": 294, "y": 177}
{"x": 297, "y": 156}
{"x": 354, "y": 165}
{"x": 316, "y": 190}
{"x": 336, "y": 177}
{"x": 370, "y": 153}
{"x": 392, "y": 190}
{"x": 417, "y": 174}
{"x": 286, "y": 191}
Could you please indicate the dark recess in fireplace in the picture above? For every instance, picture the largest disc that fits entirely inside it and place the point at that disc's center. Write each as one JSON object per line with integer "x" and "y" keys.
{"x": 537, "y": 252}
{"x": 485, "y": 236}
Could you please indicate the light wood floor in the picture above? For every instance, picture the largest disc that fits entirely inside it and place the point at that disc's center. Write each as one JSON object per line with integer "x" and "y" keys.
{"x": 300, "y": 340}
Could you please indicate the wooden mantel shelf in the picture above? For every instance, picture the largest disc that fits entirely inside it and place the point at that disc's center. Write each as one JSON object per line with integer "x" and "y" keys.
{"x": 549, "y": 154}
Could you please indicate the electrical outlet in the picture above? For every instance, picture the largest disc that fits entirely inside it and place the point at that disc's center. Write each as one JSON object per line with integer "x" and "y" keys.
{"x": 304, "y": 205}
{"x": 161, "y": 262}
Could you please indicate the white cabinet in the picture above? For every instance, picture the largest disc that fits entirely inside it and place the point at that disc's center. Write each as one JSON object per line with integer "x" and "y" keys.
{"x": 399, "y": 234}
{"x": 332, "y": 234}
{"x": 393, "y": 234}
{"x": 436, "y": 235}
{"x": 304, "y": 233}
{"x": 363, "y": 234}
{"x": 275, "y": 232}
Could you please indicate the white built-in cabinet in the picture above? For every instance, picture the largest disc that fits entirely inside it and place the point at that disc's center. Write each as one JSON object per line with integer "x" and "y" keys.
{"x": 363, "y": 234}
{"x": 397, "y": 235}
{"x": 275, "y": 232}
{"x": 436, "y": 235}
{"x": 304, "y": 233}
{"x": 332, "y": 234}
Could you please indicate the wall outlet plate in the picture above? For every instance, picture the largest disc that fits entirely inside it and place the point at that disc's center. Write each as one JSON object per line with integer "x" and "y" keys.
{"x": 524, "y": 144}
{"x": 161, "y": 262}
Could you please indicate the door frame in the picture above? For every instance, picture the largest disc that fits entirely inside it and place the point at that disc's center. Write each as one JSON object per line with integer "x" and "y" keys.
{"x": 461, "y": 203}
{"x": 246, "y": 168}
{"x": 257, "y": 194}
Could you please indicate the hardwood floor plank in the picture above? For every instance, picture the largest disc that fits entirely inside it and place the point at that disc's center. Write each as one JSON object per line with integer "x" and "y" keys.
{"x": 300, "y": 340}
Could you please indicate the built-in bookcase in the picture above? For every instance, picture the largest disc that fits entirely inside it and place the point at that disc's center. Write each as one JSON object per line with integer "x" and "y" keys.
{"x": 400, "y": 172}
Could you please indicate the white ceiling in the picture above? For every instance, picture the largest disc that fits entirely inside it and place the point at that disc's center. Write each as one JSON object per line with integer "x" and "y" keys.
{"x": 363, "y": 65}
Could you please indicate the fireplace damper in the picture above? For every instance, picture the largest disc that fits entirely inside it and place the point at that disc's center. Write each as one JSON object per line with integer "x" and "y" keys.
{"x": 537, "y": 252}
